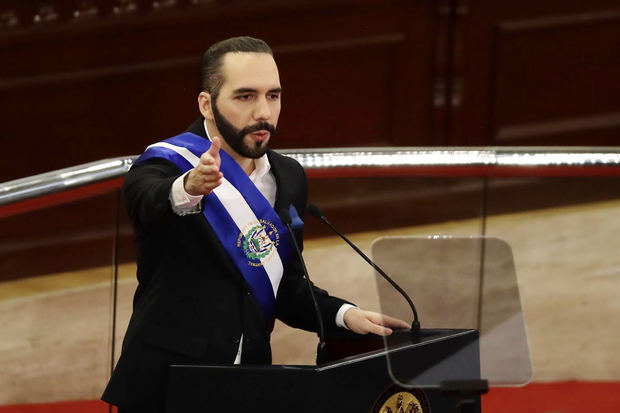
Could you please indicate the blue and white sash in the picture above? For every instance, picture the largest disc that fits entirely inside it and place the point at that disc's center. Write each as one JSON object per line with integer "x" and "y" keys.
{"x": 245, "y": 223}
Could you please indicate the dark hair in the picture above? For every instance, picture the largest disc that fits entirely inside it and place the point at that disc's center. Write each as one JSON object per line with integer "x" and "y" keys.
{"x": 211, "y": 77}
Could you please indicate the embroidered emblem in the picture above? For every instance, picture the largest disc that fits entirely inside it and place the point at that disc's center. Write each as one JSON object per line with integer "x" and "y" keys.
{"x": 258, "y": 240}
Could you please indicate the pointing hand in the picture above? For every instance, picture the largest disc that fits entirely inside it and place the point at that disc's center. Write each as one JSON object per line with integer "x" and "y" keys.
{"x": 205, "y": 176}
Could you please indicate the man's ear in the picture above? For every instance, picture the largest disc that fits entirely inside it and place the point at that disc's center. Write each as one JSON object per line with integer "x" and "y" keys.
{"x": 204, "y": 105}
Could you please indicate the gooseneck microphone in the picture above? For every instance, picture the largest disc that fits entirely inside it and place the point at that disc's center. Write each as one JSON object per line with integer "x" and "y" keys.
{"x": 316, "y": 212}
{"x": 321, "y": 351}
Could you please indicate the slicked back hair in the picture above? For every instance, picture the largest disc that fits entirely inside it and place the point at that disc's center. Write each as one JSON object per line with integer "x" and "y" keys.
{"x": 211, "y": 76}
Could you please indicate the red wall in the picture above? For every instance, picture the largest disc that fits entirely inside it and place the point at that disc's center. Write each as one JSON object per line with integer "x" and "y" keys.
{"x": 84, "y": 80}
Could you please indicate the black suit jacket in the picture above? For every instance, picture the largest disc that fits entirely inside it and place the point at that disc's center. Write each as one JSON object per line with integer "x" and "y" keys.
{"x": 192, "y": 304}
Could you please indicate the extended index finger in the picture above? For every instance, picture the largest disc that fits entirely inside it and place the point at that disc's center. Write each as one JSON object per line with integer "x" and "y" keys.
{"x": 378, "y": 329}
{"x": 394, "y": 322}
{"x": 386, "y": 320}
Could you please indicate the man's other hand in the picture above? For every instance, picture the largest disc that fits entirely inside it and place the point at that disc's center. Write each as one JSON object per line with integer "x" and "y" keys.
{"x": 364, "y": 322}
{"x": 205, "y": 176}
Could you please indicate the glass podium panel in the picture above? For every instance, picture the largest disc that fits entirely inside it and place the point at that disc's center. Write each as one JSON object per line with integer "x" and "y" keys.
{"x": 460, "y": 286}
{"x": 56, "y": 301}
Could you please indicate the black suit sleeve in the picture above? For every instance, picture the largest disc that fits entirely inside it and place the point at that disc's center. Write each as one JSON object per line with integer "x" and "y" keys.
{"x": 147, "y": 190}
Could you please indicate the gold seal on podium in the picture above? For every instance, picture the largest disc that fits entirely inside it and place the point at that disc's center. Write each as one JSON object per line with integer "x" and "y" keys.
{"x": 400, "y": 400}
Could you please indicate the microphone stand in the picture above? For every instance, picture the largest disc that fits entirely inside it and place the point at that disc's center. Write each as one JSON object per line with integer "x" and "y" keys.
{"x": 415, "y": 326}
{"x": 321, "y": 351}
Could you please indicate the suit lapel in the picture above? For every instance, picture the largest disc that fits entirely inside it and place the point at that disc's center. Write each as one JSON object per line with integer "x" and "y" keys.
{"x": 283, "y": 196}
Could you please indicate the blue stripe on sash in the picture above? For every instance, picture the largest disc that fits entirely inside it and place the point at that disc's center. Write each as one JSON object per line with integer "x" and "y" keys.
{"x": 223, "y": 224}
{"x": 167, "y": 154}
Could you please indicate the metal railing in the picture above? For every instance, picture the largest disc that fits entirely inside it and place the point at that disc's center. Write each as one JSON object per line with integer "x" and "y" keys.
{"x": 338, "y": 162}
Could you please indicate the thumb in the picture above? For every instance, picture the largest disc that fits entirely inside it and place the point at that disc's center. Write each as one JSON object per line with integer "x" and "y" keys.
{"x": 214, "y": 150}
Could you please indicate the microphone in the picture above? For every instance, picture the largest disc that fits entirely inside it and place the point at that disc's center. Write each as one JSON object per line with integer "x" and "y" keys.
{"x": 321, "y": 350}
{"x": 316, "y": 212}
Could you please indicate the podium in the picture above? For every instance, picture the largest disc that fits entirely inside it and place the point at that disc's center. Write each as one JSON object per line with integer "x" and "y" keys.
{"x": 466, "y": 287}
{"x": 357, "y": 383}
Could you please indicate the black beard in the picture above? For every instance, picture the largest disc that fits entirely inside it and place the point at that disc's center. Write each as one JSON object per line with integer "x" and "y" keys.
{"x": 234, "y": 137}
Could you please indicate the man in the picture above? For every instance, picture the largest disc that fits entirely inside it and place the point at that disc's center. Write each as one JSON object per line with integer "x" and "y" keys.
{"x": 215, "y": 265}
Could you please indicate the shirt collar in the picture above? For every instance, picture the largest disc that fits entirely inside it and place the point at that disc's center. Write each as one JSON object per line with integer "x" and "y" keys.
{"x": 261, "y": 165}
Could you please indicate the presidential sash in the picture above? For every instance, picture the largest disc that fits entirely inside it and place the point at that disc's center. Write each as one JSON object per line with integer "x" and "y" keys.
{"x": 245, "y": 223}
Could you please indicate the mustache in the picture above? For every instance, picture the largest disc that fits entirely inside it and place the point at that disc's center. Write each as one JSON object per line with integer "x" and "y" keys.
{"x": 258, "y": 126}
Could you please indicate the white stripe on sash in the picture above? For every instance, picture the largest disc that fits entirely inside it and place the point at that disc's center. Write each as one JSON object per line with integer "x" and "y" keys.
{"x": 240, "y": 212}
{"x": 184, "y": 152}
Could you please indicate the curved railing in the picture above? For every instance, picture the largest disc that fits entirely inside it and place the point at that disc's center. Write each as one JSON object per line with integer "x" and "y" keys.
{"x": 96, "y": 177}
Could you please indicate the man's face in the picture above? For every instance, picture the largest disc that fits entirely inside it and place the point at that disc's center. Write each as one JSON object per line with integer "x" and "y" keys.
{"x": 247, "y": 108}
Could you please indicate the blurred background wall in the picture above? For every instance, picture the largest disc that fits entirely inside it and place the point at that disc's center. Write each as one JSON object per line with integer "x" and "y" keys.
{"x": 81, "y": 80}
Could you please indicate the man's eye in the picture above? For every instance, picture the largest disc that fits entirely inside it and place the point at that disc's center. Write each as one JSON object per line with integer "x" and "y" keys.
{"x": 274, "y": 96}
{"x": 244, "y": 97}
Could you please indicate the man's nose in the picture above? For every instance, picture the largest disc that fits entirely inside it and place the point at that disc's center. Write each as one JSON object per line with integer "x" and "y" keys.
{"x": 262, "y": 111}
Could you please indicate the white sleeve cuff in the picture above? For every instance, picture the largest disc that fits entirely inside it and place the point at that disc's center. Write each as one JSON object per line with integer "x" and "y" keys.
{"x": 340, "y": 315}
{"x": 183, "y": 203}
